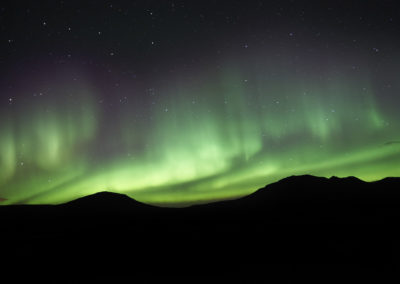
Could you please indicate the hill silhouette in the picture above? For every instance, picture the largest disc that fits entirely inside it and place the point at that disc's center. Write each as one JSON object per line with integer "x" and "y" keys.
{"x": 106, "y": 201}
{"x": 297, "y": 219}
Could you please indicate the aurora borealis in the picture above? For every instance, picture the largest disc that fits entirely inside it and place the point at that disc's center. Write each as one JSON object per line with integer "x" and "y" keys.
{"x": 178, "y": 103}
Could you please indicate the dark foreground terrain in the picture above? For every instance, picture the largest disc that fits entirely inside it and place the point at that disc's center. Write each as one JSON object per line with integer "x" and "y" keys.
{"x": 300, "y": 219}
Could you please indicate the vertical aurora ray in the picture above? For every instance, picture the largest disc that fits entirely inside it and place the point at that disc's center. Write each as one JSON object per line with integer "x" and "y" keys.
{"x": 46, "y": 145}
{"x": 220, "y": 134}
{"x": 8, "y": 161}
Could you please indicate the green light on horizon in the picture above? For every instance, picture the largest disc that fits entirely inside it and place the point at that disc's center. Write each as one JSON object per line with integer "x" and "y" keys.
{"x": 219, "y": 137}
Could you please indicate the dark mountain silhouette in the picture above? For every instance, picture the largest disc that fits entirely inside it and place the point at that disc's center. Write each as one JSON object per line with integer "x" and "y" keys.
{"x": 106, "y": 202}
{"x": 316, "y": 200}
{"x": 297, "y": 219}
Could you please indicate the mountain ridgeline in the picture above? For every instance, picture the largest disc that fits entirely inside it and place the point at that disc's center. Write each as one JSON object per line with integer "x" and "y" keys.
{"x": 299, "y": 218}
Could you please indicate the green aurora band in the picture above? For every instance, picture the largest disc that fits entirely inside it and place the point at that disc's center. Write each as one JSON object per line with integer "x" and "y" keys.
{"x": 208, "y": 137}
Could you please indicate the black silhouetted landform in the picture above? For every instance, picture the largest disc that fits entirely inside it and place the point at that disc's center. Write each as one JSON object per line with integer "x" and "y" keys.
{"x": 106, "y": 201}
{"x": 297, "y": 219}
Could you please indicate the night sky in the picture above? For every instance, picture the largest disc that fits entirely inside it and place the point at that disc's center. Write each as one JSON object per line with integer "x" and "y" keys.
{"x": 178, "y": 102}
